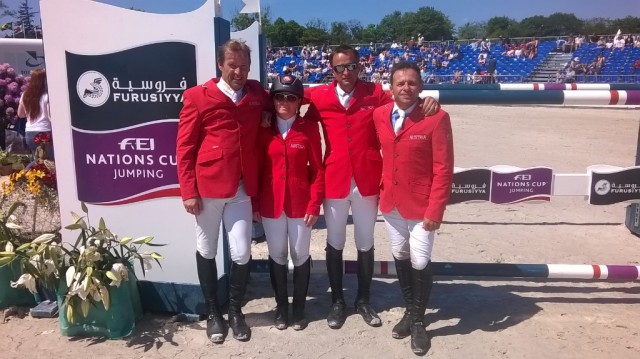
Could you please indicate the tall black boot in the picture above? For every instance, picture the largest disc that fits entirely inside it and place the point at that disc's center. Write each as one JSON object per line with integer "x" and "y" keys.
{"x": 335, "y": 267}
{"x": 365, "y": 276}
{"x": 422, "y": 281}
{"x": 301, "y": 275}
{"x": 208, "y": 276}
{"x": 278, "y": 274}
{"x": 403, "y": 269}
{"x": 237, "y": 290}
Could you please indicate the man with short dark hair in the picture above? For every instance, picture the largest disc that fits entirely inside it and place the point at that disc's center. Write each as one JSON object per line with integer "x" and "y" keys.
{"x": 217, "y": 170}
{"x": 352, "y": 174}
{"x": 417, "y": 172}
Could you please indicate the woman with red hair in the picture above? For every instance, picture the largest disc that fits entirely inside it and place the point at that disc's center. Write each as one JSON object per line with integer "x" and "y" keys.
{"x": 34, "y": 105}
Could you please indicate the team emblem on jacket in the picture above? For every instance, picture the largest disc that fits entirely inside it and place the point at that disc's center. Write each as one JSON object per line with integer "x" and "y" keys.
{"x": 299, "y": 146}
{"x": 418, "y": 137}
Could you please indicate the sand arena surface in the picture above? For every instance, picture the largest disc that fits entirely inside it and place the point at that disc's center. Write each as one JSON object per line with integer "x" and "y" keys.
{"x": 468, "y": 317}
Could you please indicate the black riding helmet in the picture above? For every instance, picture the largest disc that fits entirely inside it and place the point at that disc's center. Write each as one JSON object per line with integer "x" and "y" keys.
{"x": 287, "y": 84}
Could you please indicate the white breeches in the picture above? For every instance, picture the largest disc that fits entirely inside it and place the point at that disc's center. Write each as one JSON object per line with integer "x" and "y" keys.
{"x": 364, "y": 211}
{"x": 409, "y": 239}
{"x": 236, "y": 214}
{"x": 292, "y": 231}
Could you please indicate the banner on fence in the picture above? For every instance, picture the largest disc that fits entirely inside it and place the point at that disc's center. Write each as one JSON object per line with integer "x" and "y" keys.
{"x": 610, "y": 185}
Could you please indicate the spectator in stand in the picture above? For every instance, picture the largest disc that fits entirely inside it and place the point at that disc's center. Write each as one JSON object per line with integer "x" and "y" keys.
{"x": 457, "y": 76}
{"x": 478, "y": 76}
{"x": 609, "y": 43}
{"x": 577, "y": 42}
{"x": 618, "y": 43}
{"x": 519, "y": 53}
{"x": 411, "y": 43}
{"x": 474, "y": 45}
{"x": 484, "y": 46}
{"x": 635, "y": 67}
{"x": 532, "y": 47}
{"x": 559, "y": 77}
{"x": 482, "y": 58}
{"x": 577, "y": 67}
{"x": 491, "y": 69}
{"x": 570, "y": 76}
{"x": 420, "y": 40}
{"x": 601, "y": 43}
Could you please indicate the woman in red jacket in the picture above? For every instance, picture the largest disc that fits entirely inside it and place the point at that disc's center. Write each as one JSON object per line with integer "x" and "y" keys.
{"x": 291, "y": 190}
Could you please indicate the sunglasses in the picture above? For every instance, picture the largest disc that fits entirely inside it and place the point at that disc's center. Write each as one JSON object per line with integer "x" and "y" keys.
{"x": 340, "y": 68}
{"x": 285, "y": 97}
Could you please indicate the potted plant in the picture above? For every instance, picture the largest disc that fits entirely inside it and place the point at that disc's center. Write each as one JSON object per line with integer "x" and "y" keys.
{"x": 10, "y": 270}
{"x": 94, "y": 277}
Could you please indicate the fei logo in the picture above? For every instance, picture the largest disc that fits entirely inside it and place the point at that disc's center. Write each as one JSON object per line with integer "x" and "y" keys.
{"x": 93, "y": 88}
{"x": 137, "y": 144}
{"x": 523, "y": 177}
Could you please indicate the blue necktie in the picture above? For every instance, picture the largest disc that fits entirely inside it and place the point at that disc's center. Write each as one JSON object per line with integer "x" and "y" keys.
{"x": 395, "y": 116}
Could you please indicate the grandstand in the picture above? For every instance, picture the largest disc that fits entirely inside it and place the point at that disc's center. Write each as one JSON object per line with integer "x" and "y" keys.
{"x": 511, "y": 65}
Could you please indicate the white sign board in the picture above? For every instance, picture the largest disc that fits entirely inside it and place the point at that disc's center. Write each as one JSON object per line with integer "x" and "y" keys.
{"x": 116, "y": 78}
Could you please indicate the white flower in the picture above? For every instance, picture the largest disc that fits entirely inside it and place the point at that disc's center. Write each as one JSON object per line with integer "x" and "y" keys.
{"x": 71, "y": 272}
{"x": 117, "y": 274}
{"x": 90, "y": 253}
{"x": 8, "y": 247}
{"x": 27, "y": 281}
{"x": 44, "y": 238}
{"x": 49, "y": 267}
{"x": 147, "y": 260}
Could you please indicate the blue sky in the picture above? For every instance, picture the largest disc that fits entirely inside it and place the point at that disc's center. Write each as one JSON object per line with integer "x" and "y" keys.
{"x": 372, "y": 11}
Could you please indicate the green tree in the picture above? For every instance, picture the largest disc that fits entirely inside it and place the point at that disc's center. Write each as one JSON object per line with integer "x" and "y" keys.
{"x": 564, "y": 24}
{"x": 472, "y": 30}
{"x": 370, "y": 34}
{"x": 389, "y": 27}
{"x": 283, "y": 33}
{"x": 629, "y": 24}
{"x": 598, "y": 25}
{"x": 501, "y": 26}
{"x": 535, "y": 26}
{"x": 355, "y": 30}
{"x": 431, "y": 23}
{"x": 241, "y": 21}
{"x": 340, "y": 33}
{"x": 315, "y": 33}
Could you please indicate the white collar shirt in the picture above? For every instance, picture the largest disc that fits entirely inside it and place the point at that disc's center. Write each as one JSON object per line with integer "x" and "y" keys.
{"x": 285, "y": 125}
{"x": 343, "y": 97}
{"x": 234, "y": 95}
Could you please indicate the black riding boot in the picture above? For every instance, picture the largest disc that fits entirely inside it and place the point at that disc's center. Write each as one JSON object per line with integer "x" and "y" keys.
{"x": 301, "y": 275}
{"x": 365, "y": 276}
{"x": 237, "y": 290}
{"x": 422, "y": 281}
{"x": 403, "y": 269}
{"x": 279, "y": 283}
{"x": 335, "y": 268}
{"x": 208, "y": 275}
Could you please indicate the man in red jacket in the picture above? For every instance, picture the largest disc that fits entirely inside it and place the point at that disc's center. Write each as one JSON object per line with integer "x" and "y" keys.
{"x": 352, "y": 174}
{"x": 417, "y": 172}
{"x": 217, "y": 169}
